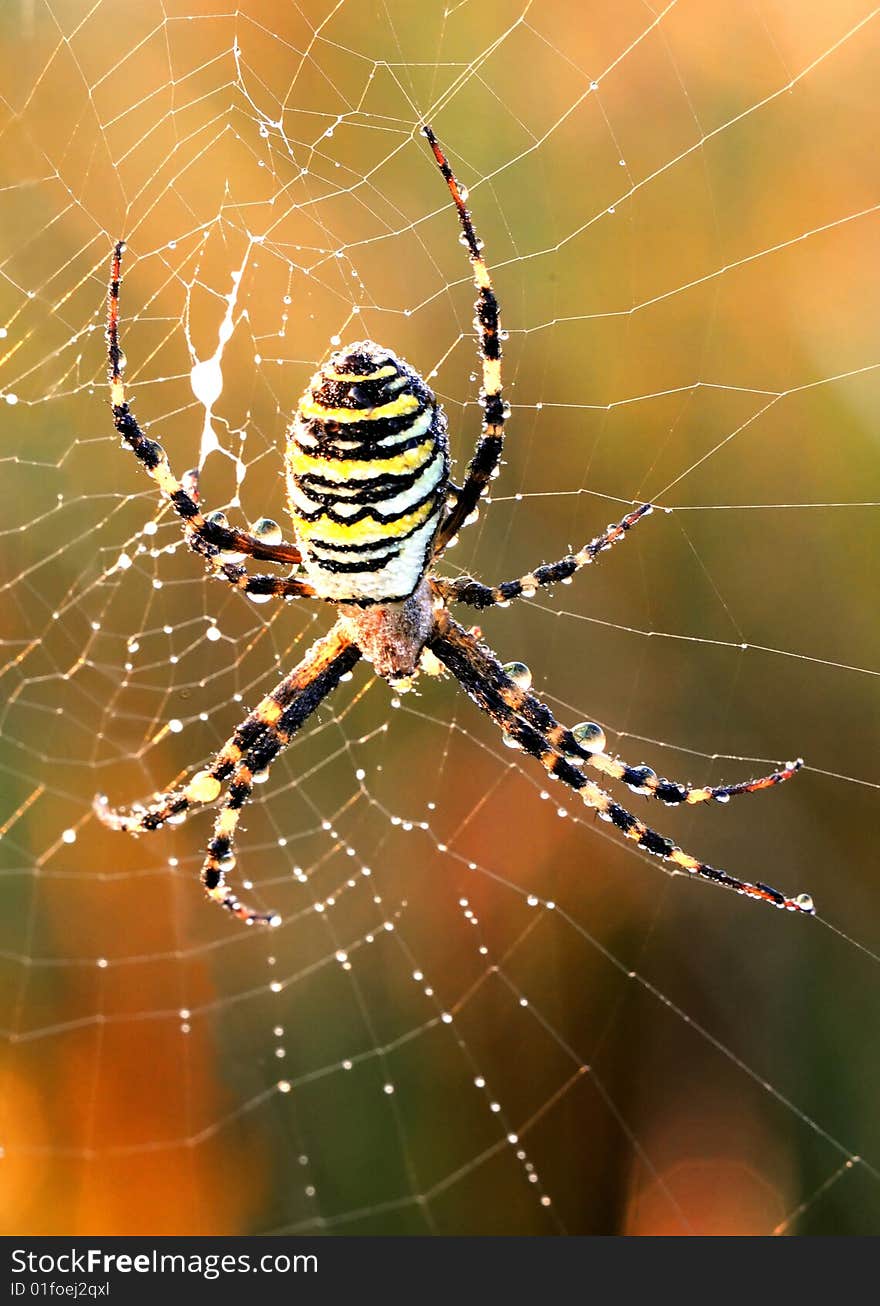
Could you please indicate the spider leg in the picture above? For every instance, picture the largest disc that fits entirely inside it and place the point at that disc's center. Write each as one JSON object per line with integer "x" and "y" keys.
{"x": 641, "y": 779}
{"x": 203, "y": 535}
{"x": 470, "y": 591}
{"x": 301, "y": 688}
{"x": 283, "y": 587}
{"x": 487, "y": 455}
{"x": 318, "y": 674}
{"x": 531, "y": 725}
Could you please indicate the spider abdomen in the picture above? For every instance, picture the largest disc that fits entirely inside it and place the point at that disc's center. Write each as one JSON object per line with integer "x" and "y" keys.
{"x": 367, "y": 468}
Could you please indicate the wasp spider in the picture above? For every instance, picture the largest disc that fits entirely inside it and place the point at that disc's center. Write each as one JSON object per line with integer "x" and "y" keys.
{"x": 373, "y": 509}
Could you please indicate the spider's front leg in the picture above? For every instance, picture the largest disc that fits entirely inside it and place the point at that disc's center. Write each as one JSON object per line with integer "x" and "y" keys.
{"x": 531, "y": 724}
{"x": 487, "y": 456}
{"x": 204, "y": 535}
{"x": 250, "y": 751}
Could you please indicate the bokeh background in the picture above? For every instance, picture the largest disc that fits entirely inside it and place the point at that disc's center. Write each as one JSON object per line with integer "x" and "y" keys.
{"x": 681, "y": 206}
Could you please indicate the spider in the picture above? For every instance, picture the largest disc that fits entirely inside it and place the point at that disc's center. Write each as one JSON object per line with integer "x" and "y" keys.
{"x": 373, "y": 508}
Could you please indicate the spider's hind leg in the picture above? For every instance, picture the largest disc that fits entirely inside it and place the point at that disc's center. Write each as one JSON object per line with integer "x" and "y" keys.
{"x": 252, "y": 749}
{"x": 316, "y": 676}
{"x": 531, "y": 724}
{"x": 205, "y": 786}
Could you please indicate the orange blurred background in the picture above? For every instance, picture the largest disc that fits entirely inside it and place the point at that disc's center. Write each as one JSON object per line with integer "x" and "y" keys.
{"x": 681, "y": 211}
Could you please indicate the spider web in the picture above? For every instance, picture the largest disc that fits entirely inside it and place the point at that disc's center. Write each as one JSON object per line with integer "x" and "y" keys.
{"x": 483, "y": 1012}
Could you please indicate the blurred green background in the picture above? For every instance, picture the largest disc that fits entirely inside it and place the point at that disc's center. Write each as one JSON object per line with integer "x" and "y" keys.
{"x": 681, "y": 209}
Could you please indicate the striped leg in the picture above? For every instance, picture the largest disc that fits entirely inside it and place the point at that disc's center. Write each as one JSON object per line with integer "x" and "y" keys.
{"x": 467, "y": 590}
{"x": 203, "y": 535}
{"x": 279, "y": 586}
{"x": 641, "y": 779}
{"x": 205, "y": 786}
{"x": 487, "y": 456}
{"x": 530, "y": 724}
{"x": 317, "y": 675}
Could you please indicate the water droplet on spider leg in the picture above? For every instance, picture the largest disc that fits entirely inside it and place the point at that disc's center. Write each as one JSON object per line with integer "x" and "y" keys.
{"x": 203, "y": 787}
{"x": 509, "y": 742}
{"x": 267, "y": 531}
{"x": 190, "y": 482}
{"x": 519, "y": 673}
{"x": 590, "y": 736}
{"x": 805, "y": 902}
{"x": 220, "y": 519}
{"x": 641, "y": 779}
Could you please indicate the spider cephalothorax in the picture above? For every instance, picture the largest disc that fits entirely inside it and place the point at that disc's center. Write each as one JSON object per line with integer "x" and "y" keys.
{"x": 373, "y": 509}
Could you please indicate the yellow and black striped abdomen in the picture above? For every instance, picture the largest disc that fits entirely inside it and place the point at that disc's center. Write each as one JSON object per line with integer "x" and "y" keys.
{"x": 367, "y": 467}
